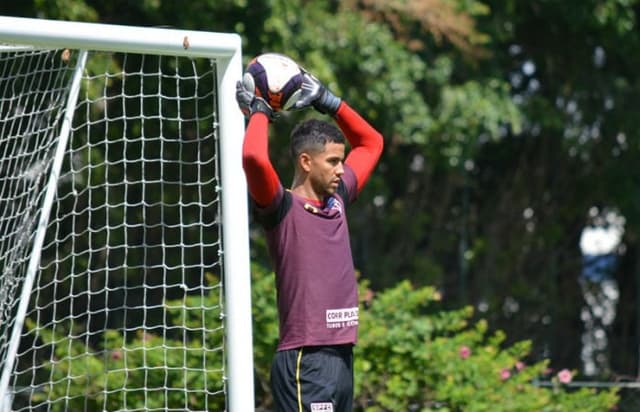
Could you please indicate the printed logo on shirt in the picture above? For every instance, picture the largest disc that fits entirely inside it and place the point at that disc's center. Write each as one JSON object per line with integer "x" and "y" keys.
{"x": 342, "y": 318}
{"x": 334, "y": 204}
{"x": 321, "y": 407}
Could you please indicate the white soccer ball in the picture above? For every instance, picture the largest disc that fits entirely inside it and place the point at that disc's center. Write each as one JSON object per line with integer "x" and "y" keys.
{"x": 276, "y": 78}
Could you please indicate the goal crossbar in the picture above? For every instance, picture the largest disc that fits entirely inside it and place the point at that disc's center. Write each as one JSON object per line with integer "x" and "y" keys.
{"x": 112, "y": 37}
{"x": 225, "y": 49}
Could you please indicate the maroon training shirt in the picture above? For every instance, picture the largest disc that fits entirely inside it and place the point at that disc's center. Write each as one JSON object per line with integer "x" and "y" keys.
{"x": 315, "y": 278}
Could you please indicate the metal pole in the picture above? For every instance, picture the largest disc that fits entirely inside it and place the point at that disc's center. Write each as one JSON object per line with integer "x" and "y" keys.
{"x": 638, "y": 317}
{"x": 116, "y": 38}
{"x": 45, "y": 210}
{"x": 235, "y": 227}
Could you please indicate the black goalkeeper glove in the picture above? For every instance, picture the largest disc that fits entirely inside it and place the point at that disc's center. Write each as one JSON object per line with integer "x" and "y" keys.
{"x": 315, "y": 94}
{"x": 249, "y": 103}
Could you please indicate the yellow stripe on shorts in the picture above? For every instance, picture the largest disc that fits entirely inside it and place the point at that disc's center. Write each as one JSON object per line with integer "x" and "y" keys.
{"x": 298, "y": 384}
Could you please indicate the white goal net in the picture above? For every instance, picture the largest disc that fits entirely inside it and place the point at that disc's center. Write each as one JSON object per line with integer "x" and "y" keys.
{"x": 112, "y": 223}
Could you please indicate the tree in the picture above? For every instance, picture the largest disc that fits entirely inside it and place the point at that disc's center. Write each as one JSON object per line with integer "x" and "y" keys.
{"x": 504, "y": 121}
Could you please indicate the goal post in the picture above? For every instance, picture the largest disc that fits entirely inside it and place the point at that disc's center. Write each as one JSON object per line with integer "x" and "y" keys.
{"x": 114, "y": 274}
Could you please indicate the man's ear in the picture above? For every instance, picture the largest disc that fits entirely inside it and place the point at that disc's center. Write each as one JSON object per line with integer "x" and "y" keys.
{"x": 304, "y": 161}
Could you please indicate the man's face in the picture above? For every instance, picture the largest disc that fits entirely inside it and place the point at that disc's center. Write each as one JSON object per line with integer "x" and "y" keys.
{"x": 326, "y": 168}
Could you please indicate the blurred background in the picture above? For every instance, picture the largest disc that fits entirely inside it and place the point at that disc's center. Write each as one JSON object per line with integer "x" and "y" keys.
{"x": 510, "y": 177}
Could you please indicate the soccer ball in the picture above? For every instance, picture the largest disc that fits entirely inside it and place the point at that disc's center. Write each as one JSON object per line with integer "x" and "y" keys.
{"x": 276, "y": 78}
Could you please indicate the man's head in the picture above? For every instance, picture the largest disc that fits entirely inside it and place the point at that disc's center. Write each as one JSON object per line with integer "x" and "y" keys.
{"x": 318, "y": 150}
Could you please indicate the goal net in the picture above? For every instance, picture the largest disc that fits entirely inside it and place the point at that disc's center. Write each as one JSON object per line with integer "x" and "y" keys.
{"x": 113, "y": 218}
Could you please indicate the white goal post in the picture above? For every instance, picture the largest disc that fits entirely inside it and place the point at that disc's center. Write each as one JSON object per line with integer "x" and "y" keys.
{"x": 124, "y": 248}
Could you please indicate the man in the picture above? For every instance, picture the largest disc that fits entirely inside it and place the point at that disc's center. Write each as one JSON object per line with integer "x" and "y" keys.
{"x": 308, "y": 240}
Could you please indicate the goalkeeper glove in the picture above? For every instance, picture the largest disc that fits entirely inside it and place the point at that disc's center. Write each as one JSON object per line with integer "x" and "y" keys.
{"x": 249, "y": 103}
{"x": 315, "y": 94}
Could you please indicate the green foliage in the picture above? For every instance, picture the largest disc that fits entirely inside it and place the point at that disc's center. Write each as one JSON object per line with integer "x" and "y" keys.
{"x": 469, "y": 143}
{"x": 265, "y": 330}
{"x": 179, "y": 367}
{"x": 411, "y": 354}
{"x": 66, "y": 10}
{"x": 474, "y": 109}
{"x": 410, "y": 99}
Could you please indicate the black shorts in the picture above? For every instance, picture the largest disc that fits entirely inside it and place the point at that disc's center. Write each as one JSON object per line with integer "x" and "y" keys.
{"x": 313, "y": 379}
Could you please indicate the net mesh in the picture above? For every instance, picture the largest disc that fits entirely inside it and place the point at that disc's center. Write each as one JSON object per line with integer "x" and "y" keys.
{"x": 125, "y": 311}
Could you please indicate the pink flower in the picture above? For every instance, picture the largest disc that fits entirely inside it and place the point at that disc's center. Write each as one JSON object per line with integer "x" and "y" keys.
{"x": 505, "y": 374}
{"x": 520, "y": 365}
{"x": 565, "y": 376}
{"x": 465, "y": 352}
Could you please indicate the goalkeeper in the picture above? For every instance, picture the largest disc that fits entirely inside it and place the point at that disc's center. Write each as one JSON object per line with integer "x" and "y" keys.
{"x": 308, "y": 240}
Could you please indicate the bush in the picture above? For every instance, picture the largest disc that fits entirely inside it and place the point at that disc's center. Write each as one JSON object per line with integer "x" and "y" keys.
{"x": 411, "y": 356}
{"x": 146, "y": 370}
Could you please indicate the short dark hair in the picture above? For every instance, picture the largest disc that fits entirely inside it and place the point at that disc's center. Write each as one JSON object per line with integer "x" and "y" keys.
{"x": 312, "y": 135}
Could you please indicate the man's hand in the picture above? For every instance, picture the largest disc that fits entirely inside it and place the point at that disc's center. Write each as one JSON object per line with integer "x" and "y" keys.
{"x": 249, "y": 103}
{"x": 315, "y": 94}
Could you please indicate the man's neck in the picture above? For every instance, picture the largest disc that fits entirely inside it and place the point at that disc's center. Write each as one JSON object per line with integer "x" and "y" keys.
{"x": 306, "y": 192}
{"x": 301, "y": 186}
